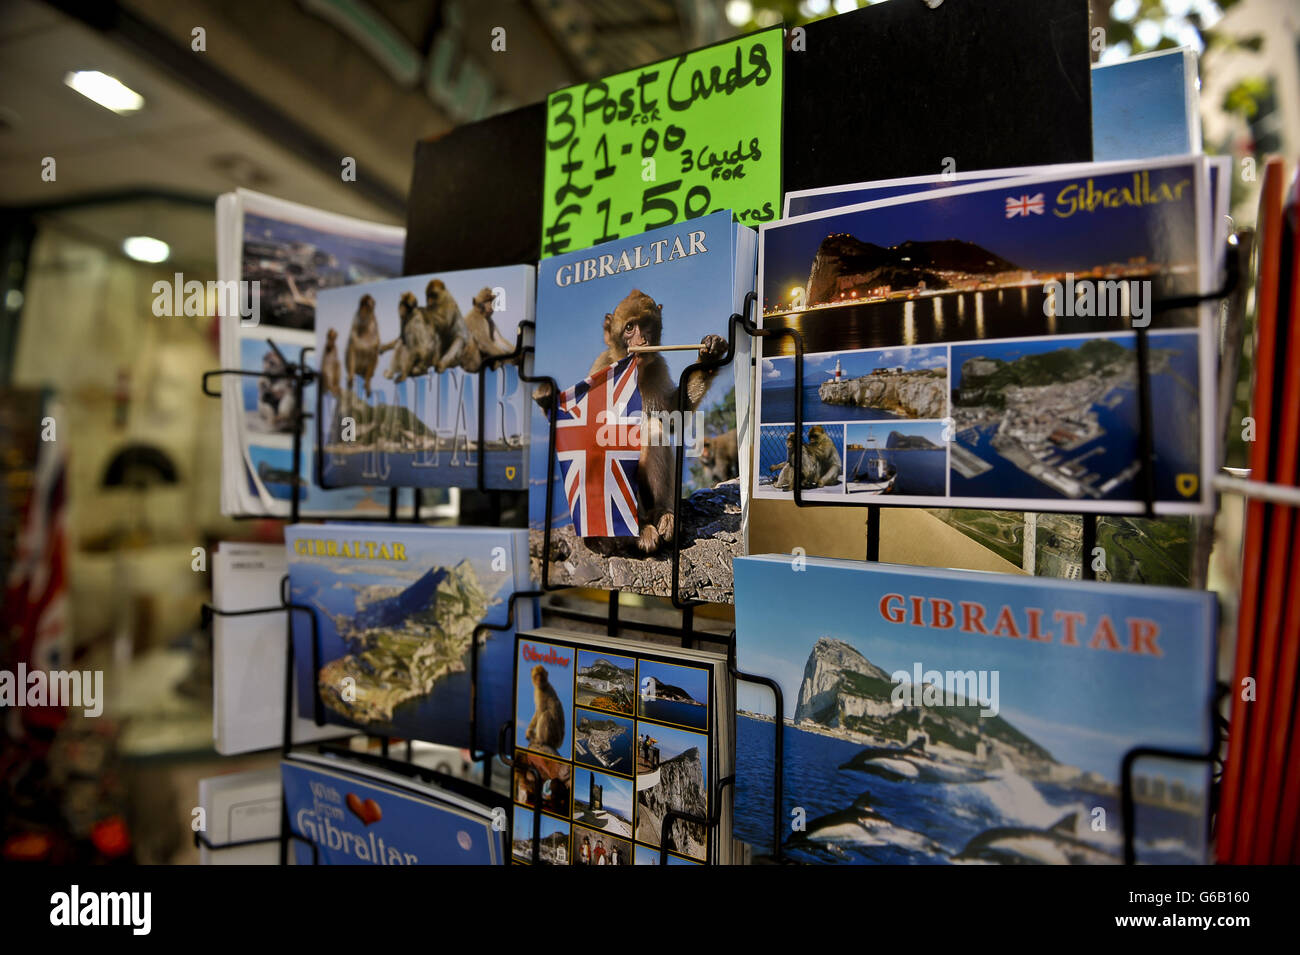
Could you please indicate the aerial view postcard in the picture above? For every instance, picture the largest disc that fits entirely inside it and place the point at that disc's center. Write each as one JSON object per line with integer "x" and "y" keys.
{"x": 397, "y": 615}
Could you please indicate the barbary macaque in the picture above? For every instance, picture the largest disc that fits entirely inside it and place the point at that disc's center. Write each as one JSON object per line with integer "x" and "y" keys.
{"x": 719, "y": 457}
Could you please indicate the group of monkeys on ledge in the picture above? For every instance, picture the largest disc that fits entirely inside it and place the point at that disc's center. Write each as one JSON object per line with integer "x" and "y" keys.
{"x": 437, "y": 337}
{"x": 434, "y": 337}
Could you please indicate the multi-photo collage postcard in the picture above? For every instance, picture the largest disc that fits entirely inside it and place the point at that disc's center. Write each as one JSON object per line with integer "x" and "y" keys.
{"x": 874, "y": 423}
{"x": 606, "y": 745}
{"x": 975, "y": 346}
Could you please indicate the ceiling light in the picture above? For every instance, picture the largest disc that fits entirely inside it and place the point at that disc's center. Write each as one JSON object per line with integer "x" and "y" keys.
{"x": 739, "y": 12}
{"x": 107, "y": 91}
{"x": 145, "y": 248}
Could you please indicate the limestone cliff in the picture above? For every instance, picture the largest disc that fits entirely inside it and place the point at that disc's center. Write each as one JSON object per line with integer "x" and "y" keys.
{"x": 823, "y": 696}
{"x": 680, "y": 788}
{"x": 918, "y": 394}
{"x": 842, "y": 690}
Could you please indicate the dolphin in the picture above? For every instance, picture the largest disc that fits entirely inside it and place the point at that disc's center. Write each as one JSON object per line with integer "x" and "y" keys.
{"x": 1055, "y": 845}
{"x": 910, "y": 763}
{"x": 860, "y": 825}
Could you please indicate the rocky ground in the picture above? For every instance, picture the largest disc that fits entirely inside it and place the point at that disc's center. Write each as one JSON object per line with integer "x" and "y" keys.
{"x": 710, "y": 522}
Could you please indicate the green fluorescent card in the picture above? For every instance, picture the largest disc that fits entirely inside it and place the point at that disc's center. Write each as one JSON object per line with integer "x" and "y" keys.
{"x": 667, "y": 142}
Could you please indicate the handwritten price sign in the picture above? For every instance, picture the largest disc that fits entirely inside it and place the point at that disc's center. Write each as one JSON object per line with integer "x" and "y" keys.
{"x": 664, "y": 143}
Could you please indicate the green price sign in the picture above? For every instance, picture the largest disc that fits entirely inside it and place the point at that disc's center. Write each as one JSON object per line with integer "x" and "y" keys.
{"x": 664, "y": 143}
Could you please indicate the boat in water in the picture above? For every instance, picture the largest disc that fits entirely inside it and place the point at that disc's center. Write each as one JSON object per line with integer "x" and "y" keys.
{"x": 871, "y": 472}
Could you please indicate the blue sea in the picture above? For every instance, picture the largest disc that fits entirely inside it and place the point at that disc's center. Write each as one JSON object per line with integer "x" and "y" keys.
{"x": 671, "y": 711}
{"x": 1176, "y": 442}
{"x": 930, "y": 821}
{"x": 443, "y": 716}
{"x": 778, "y": 406}
{"x": 919, "y": 471}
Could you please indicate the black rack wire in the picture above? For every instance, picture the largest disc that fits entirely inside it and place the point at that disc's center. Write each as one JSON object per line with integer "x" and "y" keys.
{"x": 1128, "y": 801}
{"x": 482, "y": 793}
{"x": 303, "y": 375}
{"x": 675, "y": 815}
{"x": 1234, "y": 266}
{"x": 475, "y": 755}
{"x": 737, "y": 323}
{"x": 778, "y": 769}
{"x": 200, "y": 840}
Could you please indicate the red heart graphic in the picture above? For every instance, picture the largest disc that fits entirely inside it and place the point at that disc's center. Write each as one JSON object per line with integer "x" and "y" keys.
{"x": 354, "y": 804}
{"x": 367, "y": 811}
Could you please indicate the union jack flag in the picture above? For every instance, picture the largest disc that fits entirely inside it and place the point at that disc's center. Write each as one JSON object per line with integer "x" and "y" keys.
{"x": 1024, "y": 205}
{"x": 597, "y": 442}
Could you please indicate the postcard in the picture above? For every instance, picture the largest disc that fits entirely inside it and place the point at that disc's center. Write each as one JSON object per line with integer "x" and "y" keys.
{"x": 941, "y": 716}
{"x": 975, "y": 346}
{"x": 612, "y": 488}
{"x": 1136, "y": 550}
{"x": 357, "y": 819}
{"x": 1146, "y": 105}
{"x": 275, "y": 257}
{"x": 396, "y": 611}
{"x": 402, "y": 363}
{"x": 611, "y": 738}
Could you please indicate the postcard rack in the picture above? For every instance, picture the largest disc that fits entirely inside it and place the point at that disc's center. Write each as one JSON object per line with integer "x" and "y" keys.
{"x": 742, "y": 323}
{"x": 303, "y": 375}
{"x": 1238, "y": 251}
{"x": 482, "y": 793}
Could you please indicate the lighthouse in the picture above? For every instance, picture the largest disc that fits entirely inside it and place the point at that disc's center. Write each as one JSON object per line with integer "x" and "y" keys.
{"x": 839, "y": 371}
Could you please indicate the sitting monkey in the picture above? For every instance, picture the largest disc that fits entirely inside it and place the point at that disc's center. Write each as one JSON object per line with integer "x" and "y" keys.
{"x": 785, "y": 480}
{"x": 331, "y": 371}
{"x": 546, "y": 728}
{"x": 362, "y": 355}
{"x": 413, "y": 347}
{"x": 719, "y": 457}
{"x": 638, "y": 320}
{"x": 486, "y": 341}
{"x": 819, "y": 461}
{"x": 276, "y": 402}
{"x": 827, "y": 467}
{"x": 450, "y": 335}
